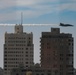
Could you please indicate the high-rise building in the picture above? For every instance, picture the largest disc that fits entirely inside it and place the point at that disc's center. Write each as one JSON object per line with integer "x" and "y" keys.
{"x": 1, "y": 71}
{"x": 57, "y": 52}
{"x": 74, "y": 71}
{"x": 18, "y": 49}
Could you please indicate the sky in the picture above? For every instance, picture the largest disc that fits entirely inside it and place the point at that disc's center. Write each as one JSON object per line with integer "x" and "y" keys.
{"x": 37, "y": 12}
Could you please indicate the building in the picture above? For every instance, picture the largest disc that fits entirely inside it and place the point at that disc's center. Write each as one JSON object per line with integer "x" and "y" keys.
{"x": 1, "y": 71}
{"x": 33, "y": 70}
{"x": 18, "y": 49}
{"x": 74, "y": 71}
{"x": 57, "y": 52}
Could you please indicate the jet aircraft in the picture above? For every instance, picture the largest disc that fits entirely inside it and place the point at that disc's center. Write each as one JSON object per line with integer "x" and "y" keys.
{"x": 65, "y": 25}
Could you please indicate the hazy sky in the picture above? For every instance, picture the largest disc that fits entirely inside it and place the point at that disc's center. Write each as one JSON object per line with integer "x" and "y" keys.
{"x": 37, "y": 12}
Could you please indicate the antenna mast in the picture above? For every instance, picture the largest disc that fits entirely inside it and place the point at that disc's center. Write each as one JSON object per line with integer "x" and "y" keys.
{"x": 21, "y": 18}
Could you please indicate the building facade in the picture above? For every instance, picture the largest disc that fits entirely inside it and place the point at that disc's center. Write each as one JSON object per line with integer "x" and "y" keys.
{"x": 74, "y": 71}
{"x": 1, "y": 71}
{"x": 57, "y": 52}
{"x": 18, "y": 49}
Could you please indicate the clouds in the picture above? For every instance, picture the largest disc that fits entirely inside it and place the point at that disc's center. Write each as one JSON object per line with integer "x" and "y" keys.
{"x": 6, "y": 4}
{"x": 11, "y": 9}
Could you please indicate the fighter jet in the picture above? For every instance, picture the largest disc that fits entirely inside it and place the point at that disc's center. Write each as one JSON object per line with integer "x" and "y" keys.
{"x": 65, "y": 25}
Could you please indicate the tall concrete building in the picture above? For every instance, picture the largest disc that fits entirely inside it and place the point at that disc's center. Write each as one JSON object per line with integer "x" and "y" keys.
{"x": 18, "y": 49}
{"x": 74, "y": 71}
{"x": 57, "y": 52}
{"x": 1, "y": 71}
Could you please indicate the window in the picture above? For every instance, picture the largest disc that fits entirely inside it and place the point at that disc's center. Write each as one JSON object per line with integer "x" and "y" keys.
{"x": 5, "y": 69}
{"x": 5, "y": 55}
{"x": 26, "y": 48}
{"x": 42, "y": 74}
{"x": 69, "y": 40}
{"x": 48, "y": 74}
{"x": 69, "y": 54}
{"x": 26, "y": 65}
{"x": 61, "y": 73}
{"x": 17, "y": 74}
{"x": 29, "y": 38}
{"x": 5, "y": 65}
{"x": 5, "y": 62}
{"x": 26, "y": 52}
{"x": 69, "y": 44}
{"x": 26, "y": 59}
{"x": 26, "y": 62}
{"x": 5, "y": 52}
{"x": 5, "y": 48}
{"x": 69, "y": 65}
{"x": 5, "y": 58}
{"x": 61, "y": 54}
{"x": 26, "y": 55}
{"x": 37, "y": 74}
{"x": 61, "y": 58}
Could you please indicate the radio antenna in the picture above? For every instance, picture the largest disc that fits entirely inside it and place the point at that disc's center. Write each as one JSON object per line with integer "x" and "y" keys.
{"x": 21, "y": 18}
